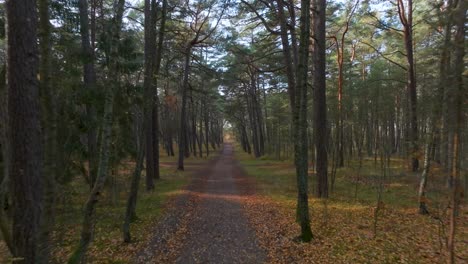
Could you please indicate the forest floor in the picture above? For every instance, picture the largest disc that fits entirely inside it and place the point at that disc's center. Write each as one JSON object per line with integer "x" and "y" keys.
{"x": 233, "y": 208}
{"x": 107, "y": 246}
{"x": 348, "y": 227}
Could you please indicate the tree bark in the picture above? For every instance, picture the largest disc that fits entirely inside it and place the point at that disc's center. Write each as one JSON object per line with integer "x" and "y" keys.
{"x": 183, "y": 113}
{"x": 149, "y": 93}
{"x": 49, "y": 119}
{"x": 5, "y": 229}
{"x": 320, "y": 103}
{"x": 406, "y": 18}
{"x": 300, "y": 125}
{"x": 460, "y": 21}
{"x": 157, "y": 67}
{"x": 287, "y": 55}
{"x": 25, "y": 128}
{"x": 89, "y": 78}
{"x": 444, "y": 84}
{"x": 423, "y": 181}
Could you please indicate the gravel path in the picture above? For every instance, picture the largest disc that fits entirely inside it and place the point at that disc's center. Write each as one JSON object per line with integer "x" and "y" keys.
{"x": 207, "y": 224}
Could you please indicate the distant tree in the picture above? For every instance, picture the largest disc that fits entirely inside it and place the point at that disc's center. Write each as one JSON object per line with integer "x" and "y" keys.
{"x": 405, "y": 13}
{"x": 340, "y": 50}
{"x": 200, "y": 31}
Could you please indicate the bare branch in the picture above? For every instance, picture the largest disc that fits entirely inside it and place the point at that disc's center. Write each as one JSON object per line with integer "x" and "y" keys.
{"x": 384, "y": 56}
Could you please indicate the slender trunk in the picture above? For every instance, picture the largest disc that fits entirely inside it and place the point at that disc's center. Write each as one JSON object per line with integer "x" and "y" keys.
{"x": 130, "y": 214}
{"x": 132, "y": 198}
{"x": 339, "y": 126}
{"x": 444, "y": 84}
{"x": 300, "y": 125}
{"x": 89, "y": 211}
{"x": 200, "y": 132}
{"x": 89, "y": 79}
{"x": 460, "y": 21}
{"x": 423, "y": 181}
{"x": 259, "y": 119}
{"x": 207, "y": 134}
{"x": 157, "y": 67}
{"x": 406, "y": 18}
{"x": 287, "y": 55}
{"x": 320, "y": 104}
{"x": 252, "y": 121}
{"x": 183, "y": 114}
{"x": 25, "y": 128}
{"x": 149, "y": 93}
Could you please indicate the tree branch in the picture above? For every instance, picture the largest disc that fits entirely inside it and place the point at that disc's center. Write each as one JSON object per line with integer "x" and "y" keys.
{"x": 385, "y": 57}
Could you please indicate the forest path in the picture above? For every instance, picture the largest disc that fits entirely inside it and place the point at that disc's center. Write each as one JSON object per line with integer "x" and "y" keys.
{"x": 207, "y": 223}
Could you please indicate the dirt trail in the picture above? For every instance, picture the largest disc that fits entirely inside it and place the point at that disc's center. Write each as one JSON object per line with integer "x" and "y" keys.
{"x": 207, "y": 224}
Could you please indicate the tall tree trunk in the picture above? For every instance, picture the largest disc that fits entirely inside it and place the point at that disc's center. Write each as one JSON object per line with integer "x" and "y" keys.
{"x": 340, "y": 61}
{"x": 300, "y": 125}
{"x": 130, "y": 214}
{"x": 444, "y": 84}
{"x": 183, "y": 114}
{"x": 406, "y": 18}
{"x": 89, "y": 78}
{"x": 25, "y": 128}
{"x": 149, "y": 93}
{"x": 49, "y": 119}
{"x": 157, "y": 67}
{"x": 320, "y": 103}
{"x": 460, "y": 21}
{"x": 258, "y": 116}
{"x": 252, "y": 120}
